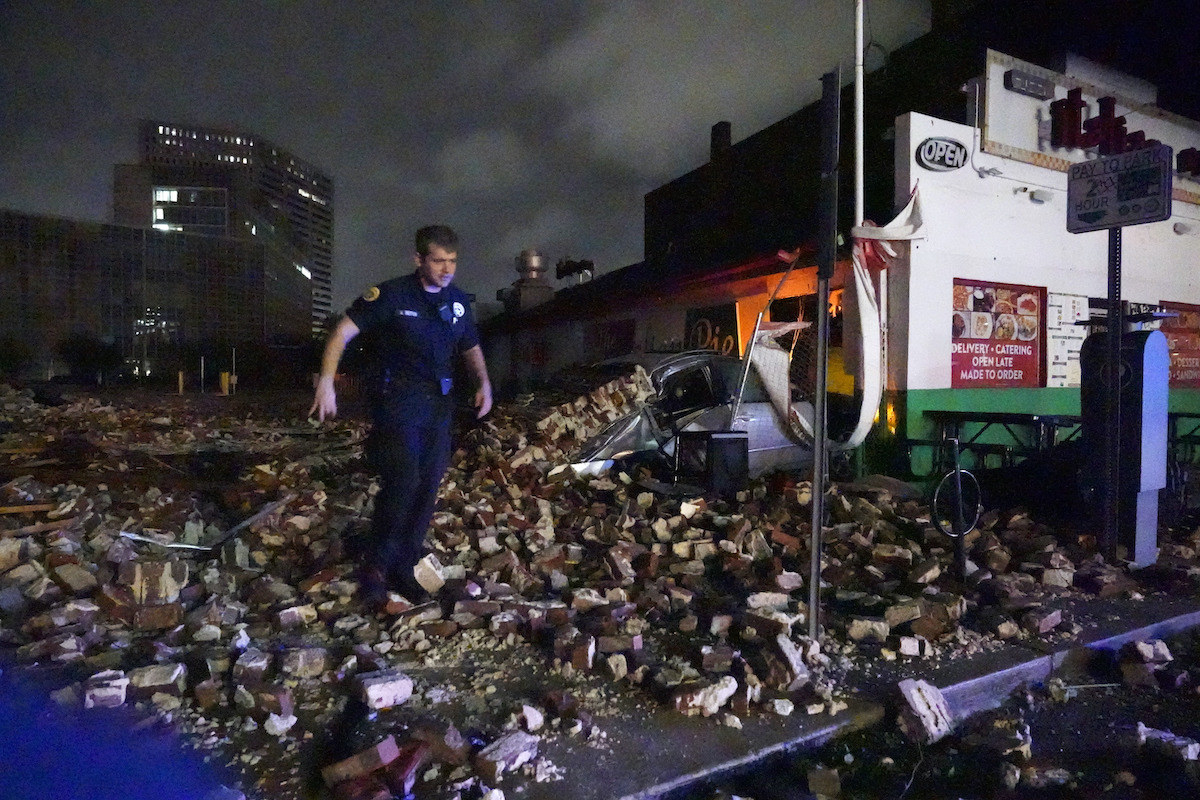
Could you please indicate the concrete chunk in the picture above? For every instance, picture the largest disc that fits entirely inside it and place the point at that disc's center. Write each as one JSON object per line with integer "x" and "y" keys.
{"x": 706, "y": 700}
{"x": 868, "y": 629}
{"x": 430, "y": 574}
{"x": 305, "y": 662}
{"x": 384, "y": 688}
{"x": 166, "y": 678}
{"x": 75, "y": 579}
{"x": 506, "y": 754}
{"x": 105, "y": 689}
{"x": 1181, "y": 746}
{"x": 925, "y": 716}
{"x": 251, "y": 667}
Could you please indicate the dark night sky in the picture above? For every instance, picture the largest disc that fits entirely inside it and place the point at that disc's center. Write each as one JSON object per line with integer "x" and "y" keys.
{"x": 522, "y": 124}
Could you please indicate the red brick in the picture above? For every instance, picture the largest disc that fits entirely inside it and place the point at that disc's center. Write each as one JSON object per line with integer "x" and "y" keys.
{"x": 360, "y": 764}
{"x": 401, "y": 774}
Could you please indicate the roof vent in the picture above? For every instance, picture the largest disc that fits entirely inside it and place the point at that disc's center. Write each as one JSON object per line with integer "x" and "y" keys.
{"x": 530, "y": 265}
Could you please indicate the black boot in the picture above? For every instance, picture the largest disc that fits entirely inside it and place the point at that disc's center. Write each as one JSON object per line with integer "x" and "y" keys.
{"x": 402, "y": 581}
{"x": 373, "y": 587}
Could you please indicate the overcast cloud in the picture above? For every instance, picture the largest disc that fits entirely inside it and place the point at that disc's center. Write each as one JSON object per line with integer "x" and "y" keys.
{"x": 522, "y": 124}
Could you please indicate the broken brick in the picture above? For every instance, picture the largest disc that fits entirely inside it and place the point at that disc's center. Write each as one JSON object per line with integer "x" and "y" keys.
{"x": 505, "y": 754}
{"x": 401, "y": 774}
{"x": 385, "y": 688}
{"x": 363, "y": 763}
{"x": 925, "y": 717}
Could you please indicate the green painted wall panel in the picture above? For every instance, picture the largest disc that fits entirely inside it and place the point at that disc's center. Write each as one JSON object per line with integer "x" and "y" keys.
{"x": 919, "y": 433}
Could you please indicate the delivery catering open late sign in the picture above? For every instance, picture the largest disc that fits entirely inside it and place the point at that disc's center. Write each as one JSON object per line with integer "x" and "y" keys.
{"x": 997, "y": 331}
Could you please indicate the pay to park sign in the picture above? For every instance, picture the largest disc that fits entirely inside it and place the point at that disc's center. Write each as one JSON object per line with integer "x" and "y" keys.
{"x": 997, "y": 330}
{"x": 1125, "y": 189}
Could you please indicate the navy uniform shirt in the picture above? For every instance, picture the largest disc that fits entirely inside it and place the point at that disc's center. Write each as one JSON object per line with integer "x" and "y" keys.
{"x": 414, "y": 335}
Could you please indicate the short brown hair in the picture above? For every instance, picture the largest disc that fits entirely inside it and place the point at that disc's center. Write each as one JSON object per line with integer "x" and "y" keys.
{"x": 441, "y": 235}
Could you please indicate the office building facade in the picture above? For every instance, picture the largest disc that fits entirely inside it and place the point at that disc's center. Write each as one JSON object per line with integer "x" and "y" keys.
{"x": 231, "y": 183}
{"x": 151, "y": 295}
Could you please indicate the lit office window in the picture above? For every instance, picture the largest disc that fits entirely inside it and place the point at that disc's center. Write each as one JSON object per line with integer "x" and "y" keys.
{"x": 159, "y": 214}
{"x": 161, "y": 129}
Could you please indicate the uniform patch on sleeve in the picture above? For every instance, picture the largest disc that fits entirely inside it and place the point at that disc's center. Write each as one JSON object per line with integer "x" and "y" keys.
{"x": 372, "y": 294}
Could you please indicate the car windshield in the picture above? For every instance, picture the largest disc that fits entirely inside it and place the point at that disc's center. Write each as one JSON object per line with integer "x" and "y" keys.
{"x": 727, "y": 374}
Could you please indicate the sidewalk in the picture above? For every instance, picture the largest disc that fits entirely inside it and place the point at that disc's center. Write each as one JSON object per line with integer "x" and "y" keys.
{"x": 663, "y": 752}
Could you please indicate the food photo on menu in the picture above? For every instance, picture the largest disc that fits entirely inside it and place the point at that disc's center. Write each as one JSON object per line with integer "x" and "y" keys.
{"x": 996, "y": 335}
{"x": 992, "y": 312}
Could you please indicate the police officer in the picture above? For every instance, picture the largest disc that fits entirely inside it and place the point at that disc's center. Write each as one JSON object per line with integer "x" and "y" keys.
{"x": 417, "y": 323}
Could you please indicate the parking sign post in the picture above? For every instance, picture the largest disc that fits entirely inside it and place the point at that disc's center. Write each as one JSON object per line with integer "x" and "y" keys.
{"x": 1106, "y": 194}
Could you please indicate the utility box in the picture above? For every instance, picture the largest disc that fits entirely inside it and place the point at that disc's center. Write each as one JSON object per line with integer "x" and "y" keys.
{"x": 1144, "y": 369}
{"x": 720, "y": 460}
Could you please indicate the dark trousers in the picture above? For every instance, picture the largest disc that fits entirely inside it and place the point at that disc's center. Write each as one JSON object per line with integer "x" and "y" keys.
{"x": 409, "y": 447}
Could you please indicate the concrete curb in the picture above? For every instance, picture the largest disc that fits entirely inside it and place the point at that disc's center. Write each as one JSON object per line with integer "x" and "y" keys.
{"x": 665, "y": 754}
{"x": 990, "y": 690}
{"x": 864, "y": 715}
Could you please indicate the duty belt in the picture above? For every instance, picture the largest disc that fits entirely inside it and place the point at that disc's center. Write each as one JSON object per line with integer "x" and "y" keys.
{"x": 388, "y": 379}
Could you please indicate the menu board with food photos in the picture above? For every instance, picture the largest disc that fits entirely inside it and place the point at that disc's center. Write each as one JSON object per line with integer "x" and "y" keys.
{"x": 996, "y": 335}
{"x": 1183, "y": 342}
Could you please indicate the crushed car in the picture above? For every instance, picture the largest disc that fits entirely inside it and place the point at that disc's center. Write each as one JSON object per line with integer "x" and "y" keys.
{"x": 698, "y": 391}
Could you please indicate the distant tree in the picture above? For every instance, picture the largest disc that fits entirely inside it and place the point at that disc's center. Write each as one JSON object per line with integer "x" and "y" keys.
{"x": 89, "y": 358}
{"x": 15, "y": 355}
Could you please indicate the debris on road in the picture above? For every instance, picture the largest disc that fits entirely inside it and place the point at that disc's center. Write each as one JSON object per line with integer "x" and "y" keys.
{"x": 201, "y": 568}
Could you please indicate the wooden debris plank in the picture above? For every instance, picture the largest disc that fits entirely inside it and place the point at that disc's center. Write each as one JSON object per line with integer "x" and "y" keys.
{"x": 27, "y": 508}
{"x": 268, "y": 509}
{"x": 38, "y": 527}
{"x": 15, "y": 481}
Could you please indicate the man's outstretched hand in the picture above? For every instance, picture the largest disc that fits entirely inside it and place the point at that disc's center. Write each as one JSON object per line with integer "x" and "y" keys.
{"x": 325, "y": 400}
{"x": 483, "y": 400}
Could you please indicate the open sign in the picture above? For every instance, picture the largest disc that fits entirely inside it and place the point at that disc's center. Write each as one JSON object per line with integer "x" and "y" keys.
{"x": 941, "y": 155}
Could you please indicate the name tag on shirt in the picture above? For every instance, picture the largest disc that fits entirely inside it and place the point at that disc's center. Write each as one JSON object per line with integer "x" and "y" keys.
{"x": 404, "y": 312}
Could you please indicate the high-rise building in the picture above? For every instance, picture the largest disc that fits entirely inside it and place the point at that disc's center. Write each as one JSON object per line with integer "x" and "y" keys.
{"x": 231, "y": 183}
{"x": 152, "y": 296}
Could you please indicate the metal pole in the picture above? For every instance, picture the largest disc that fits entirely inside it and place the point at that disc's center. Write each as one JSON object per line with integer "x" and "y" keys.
{"x": 737, "y": 400}
{"x": 141, "y": 329}
{"x": 820, "y": 455}
{"x": 831, "y": 83}
{"x": 1112, "y": 380}
{"x": 859, "y": 156}
{"x": 959, "y": 523}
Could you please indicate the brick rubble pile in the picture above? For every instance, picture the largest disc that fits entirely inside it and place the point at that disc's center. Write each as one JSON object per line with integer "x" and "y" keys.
{"x": 253, "y": 647}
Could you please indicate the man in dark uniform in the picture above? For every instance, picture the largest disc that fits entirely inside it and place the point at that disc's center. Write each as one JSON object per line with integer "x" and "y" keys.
{"x": 417, "y": 323}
